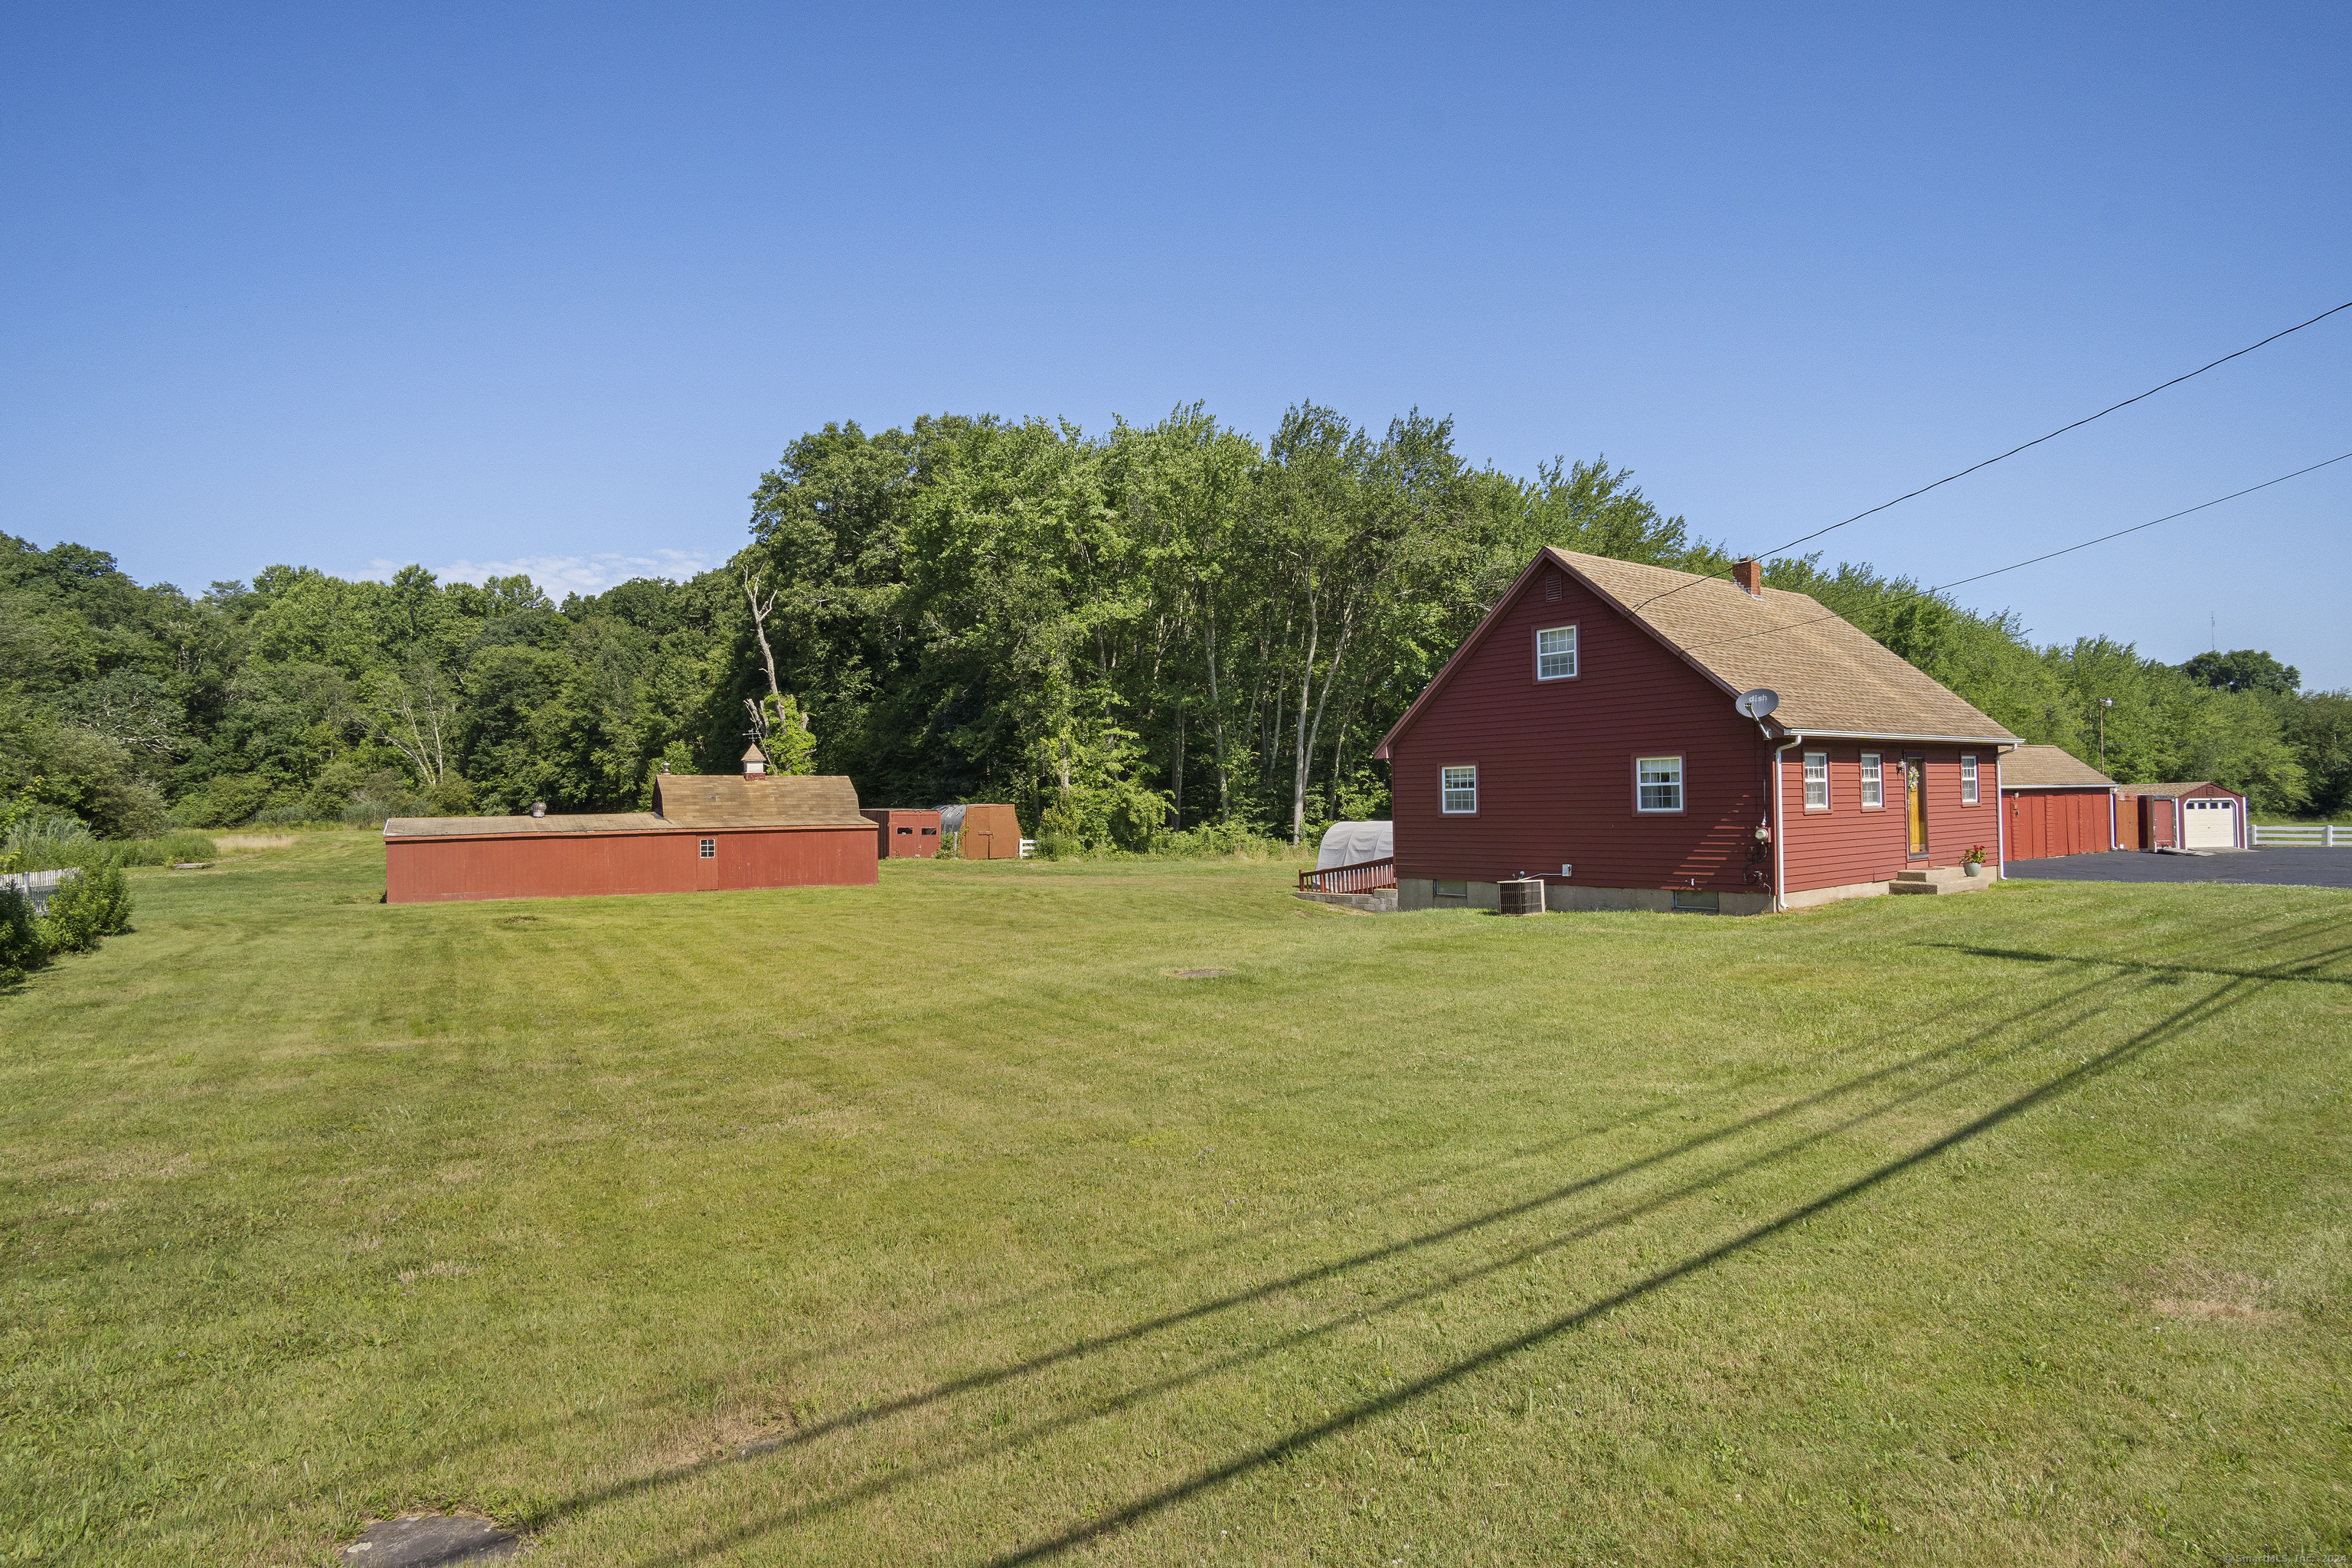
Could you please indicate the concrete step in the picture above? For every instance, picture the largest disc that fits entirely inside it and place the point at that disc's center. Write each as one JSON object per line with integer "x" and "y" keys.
{"x": 1940, "y": 880}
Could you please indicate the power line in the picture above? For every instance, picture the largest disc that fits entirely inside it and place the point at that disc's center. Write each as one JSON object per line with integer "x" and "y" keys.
{"x": 2013, "y": 451}
{"x": 2036, "y": 561}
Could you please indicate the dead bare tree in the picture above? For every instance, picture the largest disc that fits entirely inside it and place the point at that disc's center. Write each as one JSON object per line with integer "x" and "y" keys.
{"x": 759, "y": 613}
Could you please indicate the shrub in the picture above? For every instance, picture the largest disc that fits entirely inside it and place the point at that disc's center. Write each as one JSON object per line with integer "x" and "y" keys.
{"x": 94, "y": 904}
{"x": 22, "y": 943}
{"x": 226, "y": 802}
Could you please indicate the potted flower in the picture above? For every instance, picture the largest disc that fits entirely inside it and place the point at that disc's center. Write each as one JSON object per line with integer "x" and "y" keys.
{"x": 1973, "y": 861}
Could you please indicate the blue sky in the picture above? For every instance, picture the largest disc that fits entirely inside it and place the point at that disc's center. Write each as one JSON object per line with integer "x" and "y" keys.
{"x": 491, "y": 284}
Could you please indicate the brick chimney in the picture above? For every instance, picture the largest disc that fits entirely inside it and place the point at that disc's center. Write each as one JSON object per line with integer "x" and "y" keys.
{"x": 1750, "y": 577}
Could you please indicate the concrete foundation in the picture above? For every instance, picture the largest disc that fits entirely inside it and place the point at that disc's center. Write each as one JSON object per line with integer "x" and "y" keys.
{"x": 1379, "y": 901}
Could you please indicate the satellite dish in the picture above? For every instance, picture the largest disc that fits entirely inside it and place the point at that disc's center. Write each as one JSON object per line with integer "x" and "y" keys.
{"x": 1757, "y": 704}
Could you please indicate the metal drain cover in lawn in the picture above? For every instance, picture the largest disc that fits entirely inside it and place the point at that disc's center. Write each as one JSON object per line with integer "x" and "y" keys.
{"x": 1200, "y": 973}
{"x": 429, "y": 1540}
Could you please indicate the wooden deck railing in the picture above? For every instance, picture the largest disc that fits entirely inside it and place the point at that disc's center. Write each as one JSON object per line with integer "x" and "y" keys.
{"x": 1360, "y": 878}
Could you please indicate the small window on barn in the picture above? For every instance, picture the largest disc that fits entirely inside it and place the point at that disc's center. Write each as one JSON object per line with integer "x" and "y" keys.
{"x": 707, "y": 849}
{"x": 1556, "y": 654}
{"x": 1817, "y": 780}
{"x": 1457, "y": 790}
{"x": 1658, "y": 783}
{"x": 930, "y": 833}
{"x": 1873, "y": 782}
{"x": 908, "y": 831}
{"x": 1968, "y": 781}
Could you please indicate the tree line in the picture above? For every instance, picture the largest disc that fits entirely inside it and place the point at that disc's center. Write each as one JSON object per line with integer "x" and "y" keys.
{"x": 1155, "y": 630}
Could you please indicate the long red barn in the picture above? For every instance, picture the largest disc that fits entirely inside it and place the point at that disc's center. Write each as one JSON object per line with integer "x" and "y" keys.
{"x": 1585, "y": 734}
{"x": 705, "y": 833}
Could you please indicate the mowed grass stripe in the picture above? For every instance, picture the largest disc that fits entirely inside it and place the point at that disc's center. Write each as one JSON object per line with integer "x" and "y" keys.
{"x": 940, "y": 1222}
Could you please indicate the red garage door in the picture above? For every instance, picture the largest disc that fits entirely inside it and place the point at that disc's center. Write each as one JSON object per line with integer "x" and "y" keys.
{"x": 2057, "y": 822}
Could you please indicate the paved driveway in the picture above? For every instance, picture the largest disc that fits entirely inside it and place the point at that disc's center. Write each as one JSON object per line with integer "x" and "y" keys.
{"x": 2286, "y": 867}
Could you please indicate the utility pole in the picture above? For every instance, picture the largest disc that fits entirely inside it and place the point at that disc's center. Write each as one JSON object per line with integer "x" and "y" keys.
{"x": 2105, "y": 704}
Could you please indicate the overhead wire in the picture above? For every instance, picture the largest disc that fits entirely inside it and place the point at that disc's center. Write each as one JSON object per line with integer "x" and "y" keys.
{"x": 2013, "y": 451}
{"x": 2035, "y": 561}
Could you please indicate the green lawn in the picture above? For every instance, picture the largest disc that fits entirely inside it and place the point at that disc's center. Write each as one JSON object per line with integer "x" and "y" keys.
{"x": 941, "y": 1222}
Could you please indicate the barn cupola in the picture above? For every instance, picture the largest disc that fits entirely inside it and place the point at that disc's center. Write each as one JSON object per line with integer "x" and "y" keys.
{"x": 1750, "y": 575}
{"x": 755, "y": 762}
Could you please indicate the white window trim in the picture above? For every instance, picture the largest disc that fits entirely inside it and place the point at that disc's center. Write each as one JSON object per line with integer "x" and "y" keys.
{"x": 1971, "y": 793}
{"x": 706, "y": 849}
{"x": 1682, "y": 784}
{"x": 1575, "y": 653}
{"x": 1446, "y": 810}
{"x": 1806, "y": 777}
{"x": 1873, "y": 774}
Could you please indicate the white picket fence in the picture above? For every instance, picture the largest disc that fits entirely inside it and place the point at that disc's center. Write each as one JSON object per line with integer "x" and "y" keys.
{"x": 2325, "y": 834}
{"x": 37, "y": 885}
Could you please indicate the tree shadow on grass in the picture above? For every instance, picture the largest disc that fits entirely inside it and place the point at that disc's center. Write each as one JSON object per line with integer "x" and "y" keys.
{"x": 1173, "y": 1257}
{"x": 2302, "y": 969}
{"x": 1294, "y": 1442}
{"x": 1033, "y": 1367}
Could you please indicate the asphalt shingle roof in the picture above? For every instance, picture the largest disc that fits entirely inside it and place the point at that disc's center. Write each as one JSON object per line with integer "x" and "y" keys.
{"x": 1832, "y": 677}
{"x": 2049, "y": 767}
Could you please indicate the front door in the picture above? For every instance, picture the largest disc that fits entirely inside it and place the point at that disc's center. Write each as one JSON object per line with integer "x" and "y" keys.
{"x": 705, "y": 864}
{"x": 1914, "y": 800}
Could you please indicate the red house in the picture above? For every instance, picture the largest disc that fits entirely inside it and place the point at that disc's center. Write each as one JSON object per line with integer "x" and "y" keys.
{"x": 706, "y": 832}
{"x": 1585, "y": 734}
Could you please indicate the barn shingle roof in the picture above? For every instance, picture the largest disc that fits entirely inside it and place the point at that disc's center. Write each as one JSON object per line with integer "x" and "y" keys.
{"x": 682, "y": 803}
{"x": 769, "y": 800}
{"x": 481, "y": 826}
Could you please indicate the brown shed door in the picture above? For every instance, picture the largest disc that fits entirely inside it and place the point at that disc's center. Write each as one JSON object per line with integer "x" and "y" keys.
{"x": 706, "y": 863}
{"x": 1915, "y": 800}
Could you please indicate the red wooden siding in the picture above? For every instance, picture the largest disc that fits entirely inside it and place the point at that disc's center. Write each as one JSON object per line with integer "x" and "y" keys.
{"x": 2046, "y": 822}
{"x": 904, "y": 833}
{"x": 1555, "y": 760}
{"x": 547, "y": 865}
{"x": 1845, "y": 844}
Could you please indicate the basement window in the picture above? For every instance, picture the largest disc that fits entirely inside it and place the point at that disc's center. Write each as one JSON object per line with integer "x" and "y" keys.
{"x": 1457, "y": 790}
{"x": 1967, "y": 780}
{"x": 708, "y": 850}
{"x": 1817, "y": 780}
{"x": 1698, "y": 903}
{"x": 1873, "y": 782}
{"x": 1446, "y": 892}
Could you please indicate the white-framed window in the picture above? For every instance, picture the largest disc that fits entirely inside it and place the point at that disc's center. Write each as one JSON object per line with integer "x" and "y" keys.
{"x": 1873, "y": 782}
{"x": 1817, "y": 780}
{"x": 1457, "y": 790}
{"x": 707, "y": 849}
{"x": 1555, "y": 653}
{"x": 1967, "y": 780}
{"x": 1657, "y": 784}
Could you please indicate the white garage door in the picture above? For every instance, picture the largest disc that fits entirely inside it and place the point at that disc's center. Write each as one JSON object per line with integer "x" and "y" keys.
{"x": 2209, "y": 824}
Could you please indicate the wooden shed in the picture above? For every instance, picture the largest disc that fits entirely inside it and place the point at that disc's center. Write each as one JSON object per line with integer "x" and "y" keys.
{"x": 2192, "y": 816}
{"x": 705, "y": 833}
{"x": 986, "y": 832}
{"x": 903, "y": 832}
{"x": 2055, "y": 803}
